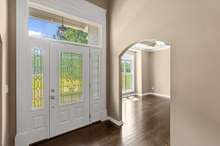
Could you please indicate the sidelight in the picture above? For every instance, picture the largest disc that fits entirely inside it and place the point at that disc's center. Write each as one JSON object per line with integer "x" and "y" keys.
{"x": 37, "y": 79}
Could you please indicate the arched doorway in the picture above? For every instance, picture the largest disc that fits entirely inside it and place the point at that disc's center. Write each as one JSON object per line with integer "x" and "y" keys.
{"x": 144, "y": 78}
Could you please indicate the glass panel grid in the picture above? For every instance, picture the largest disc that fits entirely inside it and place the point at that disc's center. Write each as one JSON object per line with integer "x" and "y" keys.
{"x": 37, "y": 79}
{"x": 71, "y": 78}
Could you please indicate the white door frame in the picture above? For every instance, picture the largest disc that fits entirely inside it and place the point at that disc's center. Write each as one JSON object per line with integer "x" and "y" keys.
{"x": 71, "y": 8}
{"x": 133, "y": 72}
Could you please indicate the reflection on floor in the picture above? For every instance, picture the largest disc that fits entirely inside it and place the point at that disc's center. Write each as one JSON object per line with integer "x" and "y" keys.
{"x": 146, "y": 123}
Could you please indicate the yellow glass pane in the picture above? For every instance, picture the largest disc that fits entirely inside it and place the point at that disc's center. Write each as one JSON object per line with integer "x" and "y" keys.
{"x": 71, "y": 78}
{"x": 37, "y": 79}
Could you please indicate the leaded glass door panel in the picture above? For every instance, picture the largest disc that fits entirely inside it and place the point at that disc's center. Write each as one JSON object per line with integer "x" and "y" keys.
{"x": 69, "y": 87}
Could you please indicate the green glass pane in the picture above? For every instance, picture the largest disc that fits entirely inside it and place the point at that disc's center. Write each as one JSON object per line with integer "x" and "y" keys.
{"x": 128, "y": 66}
{"x": 70, "y": 80}
{"x": 37, "y": 78}
{"x": 123, "y": 83}
{"x": 127, "y": 80}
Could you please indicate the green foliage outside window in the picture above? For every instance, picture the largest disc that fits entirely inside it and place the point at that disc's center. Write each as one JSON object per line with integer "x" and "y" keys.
{"x": 72, "y": 35}
{"x": 126, "y": 75}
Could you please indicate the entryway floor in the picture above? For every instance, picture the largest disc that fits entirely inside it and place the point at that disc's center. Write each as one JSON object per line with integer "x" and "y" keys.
{"x": 146, "y": 123}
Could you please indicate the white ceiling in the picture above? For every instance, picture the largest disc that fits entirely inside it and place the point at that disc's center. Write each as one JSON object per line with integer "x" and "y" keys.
{"x": 150, "y": 46}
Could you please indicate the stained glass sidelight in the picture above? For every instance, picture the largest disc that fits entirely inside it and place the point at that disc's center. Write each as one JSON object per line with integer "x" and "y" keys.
{"x": 37, "y": 79}
{"x": 71, "y": 78}
{"x": 96, "y": 76}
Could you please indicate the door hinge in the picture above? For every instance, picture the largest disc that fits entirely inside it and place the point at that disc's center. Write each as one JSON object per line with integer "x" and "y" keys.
{"x": 90, "y": 116}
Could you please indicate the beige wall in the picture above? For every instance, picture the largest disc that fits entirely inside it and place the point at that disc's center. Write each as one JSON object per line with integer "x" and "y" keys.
{"x": 153, "y": 72}
{"x": 3, "y": 73}
{"x": 160, "y": 72}
{"x": 145, "y": 72}
{"x": 142, "y": 72}
{"x": 192, "y": 29}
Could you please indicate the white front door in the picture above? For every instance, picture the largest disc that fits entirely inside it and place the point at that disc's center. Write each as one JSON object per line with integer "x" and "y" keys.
{"x": 69, "y": 88}
{"x": 59, "y": 88}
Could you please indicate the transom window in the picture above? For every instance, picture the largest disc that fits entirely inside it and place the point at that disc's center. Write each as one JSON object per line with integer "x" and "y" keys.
{"x": 46, "y": 25}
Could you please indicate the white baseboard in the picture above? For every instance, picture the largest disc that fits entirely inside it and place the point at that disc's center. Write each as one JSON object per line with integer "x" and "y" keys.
{"x": 153, "y": 93}
{"x": 158, "y": 94}
{"x": 22, "y": 139}
{"x": 143, "y": 94}
{"x": 116, "y": 122}
{"x": 127, "y": 95}
{"x": 104, "y": 115}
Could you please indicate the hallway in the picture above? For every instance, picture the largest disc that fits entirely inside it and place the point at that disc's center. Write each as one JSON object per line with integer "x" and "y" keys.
{"x": 146, "y": 123}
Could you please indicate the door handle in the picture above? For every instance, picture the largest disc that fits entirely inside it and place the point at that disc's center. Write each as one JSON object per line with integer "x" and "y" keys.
{"x": 52, "y": 97}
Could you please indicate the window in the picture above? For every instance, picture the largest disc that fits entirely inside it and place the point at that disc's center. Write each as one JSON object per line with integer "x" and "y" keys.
{"x": 71, "y": 80}
{"x": 37, "y": 79}
{"x": 127, "y": 68}
{"x": 46, "y": 25}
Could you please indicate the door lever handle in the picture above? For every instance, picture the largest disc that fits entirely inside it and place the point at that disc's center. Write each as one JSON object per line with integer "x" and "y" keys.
{"x": 52, "y": 97}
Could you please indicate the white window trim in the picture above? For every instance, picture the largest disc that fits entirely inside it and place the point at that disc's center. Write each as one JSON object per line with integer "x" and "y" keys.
{"x": 133, "y": 73}
{"x": 71, "y": 17}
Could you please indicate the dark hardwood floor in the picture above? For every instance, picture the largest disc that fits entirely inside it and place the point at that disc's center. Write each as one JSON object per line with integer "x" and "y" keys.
{"x": 146, "y": 123}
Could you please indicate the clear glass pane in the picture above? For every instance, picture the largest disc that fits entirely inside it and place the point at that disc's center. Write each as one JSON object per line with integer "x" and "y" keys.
{"x": 37, "y": 79}
{"x": 46, "y": 25}
{"x": 127, "y": 65}
{"x": 71, "y": 77}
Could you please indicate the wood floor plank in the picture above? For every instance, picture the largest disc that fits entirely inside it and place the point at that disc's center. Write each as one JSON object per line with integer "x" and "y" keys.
{"x": 146, "y": 123}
